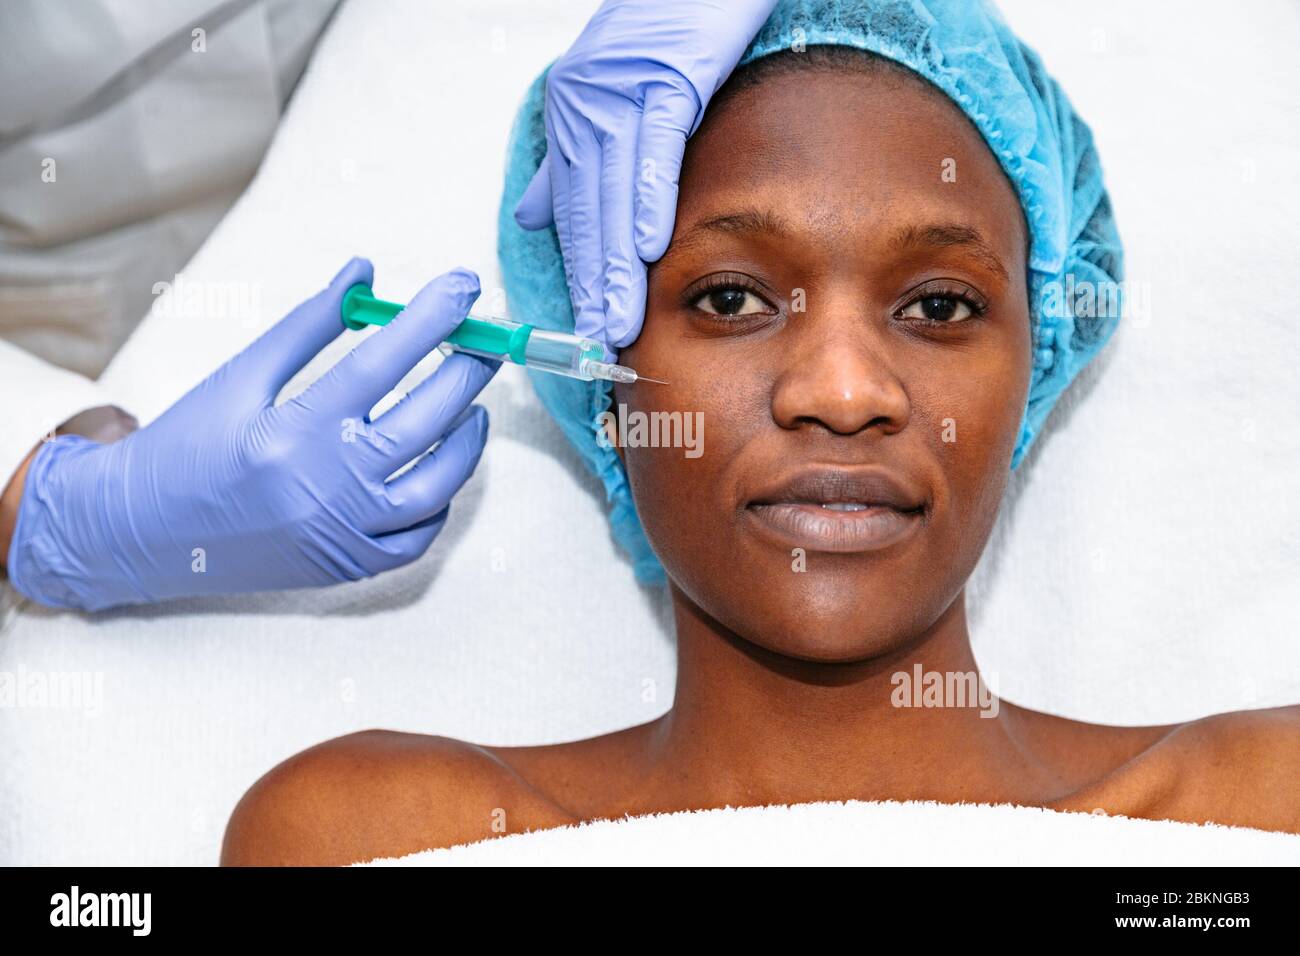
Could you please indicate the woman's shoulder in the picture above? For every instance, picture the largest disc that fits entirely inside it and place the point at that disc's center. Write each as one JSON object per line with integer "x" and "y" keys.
{"x": 1236, "y": 769}
{"x": 380, "y": 794}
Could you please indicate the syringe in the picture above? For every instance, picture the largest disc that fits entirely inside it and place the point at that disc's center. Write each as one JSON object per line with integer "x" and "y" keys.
{"x": 502, "y": 339}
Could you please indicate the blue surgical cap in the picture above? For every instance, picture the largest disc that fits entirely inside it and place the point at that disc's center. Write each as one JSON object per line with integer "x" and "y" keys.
{"x": 965, "y": 49}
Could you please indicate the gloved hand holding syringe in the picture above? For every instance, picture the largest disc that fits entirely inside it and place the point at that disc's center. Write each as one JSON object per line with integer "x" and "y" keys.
{"x": 229, "y": 491}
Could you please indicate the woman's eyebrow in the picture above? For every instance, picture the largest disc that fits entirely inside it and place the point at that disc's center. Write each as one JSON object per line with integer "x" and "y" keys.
{"x": 944, "y": 234}
{"x": 734, "y": 224}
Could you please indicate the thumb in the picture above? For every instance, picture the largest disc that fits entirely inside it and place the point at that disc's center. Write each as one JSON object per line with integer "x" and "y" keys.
{"x": 534, "y": 210}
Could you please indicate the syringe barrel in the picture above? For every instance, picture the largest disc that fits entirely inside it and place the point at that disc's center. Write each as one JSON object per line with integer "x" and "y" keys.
{"x": 495, "y": 338}
{"x": 562, "y": 353}
{"x": 525, "y": 345}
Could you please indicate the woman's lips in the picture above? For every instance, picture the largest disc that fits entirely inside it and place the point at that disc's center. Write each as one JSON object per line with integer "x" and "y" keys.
{"x": 818, "y": 528}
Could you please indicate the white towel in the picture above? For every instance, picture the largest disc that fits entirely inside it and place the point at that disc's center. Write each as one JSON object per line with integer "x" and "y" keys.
{"x": 855, "y": 832}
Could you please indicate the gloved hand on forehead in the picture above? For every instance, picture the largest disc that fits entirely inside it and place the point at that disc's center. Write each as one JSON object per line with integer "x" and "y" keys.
{"x": 227, "y": 492}
{"x": 619, "y": 107}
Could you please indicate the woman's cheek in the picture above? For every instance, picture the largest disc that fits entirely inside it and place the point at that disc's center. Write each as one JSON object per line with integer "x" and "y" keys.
{"x": 680, "y": 438}
{"x": 971, "y": 414}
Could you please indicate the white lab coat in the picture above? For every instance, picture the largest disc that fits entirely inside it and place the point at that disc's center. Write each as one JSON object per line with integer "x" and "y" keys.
{"x": 127, "y": 129}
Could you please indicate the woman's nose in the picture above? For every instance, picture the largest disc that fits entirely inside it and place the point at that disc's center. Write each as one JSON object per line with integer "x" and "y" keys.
{"x": 845, "y": 383}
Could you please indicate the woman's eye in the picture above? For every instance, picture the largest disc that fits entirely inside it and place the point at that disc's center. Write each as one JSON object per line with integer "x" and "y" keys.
{"x": 938, "y": 308}
{"x": 731, "y": 301}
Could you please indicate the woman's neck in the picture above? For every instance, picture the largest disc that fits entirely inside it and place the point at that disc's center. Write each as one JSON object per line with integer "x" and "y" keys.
{"x": 750, "y": 727}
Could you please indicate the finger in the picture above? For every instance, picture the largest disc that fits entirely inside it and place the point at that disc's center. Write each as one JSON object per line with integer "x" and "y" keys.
{"x": 397, "y": 548}
{"x": 280, "y": 353}
{"x": 372, "y": 369}
{"x": 586, "y": 253}
{"x": 623, "y": 324}
{"x": 425, "y": 413}
{"x": 535, "y": 209}
{"x": 561, "y": 185}
{"x": 623, "y": 293}
{"x": 667, "y": 118}
{"x": 428, "y": 487}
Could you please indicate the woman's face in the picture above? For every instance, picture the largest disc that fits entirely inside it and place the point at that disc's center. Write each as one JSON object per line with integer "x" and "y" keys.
{"x": 844, "y": 303}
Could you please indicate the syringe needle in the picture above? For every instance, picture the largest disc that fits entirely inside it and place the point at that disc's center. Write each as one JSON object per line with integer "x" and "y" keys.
{"x": 643, "y": 378}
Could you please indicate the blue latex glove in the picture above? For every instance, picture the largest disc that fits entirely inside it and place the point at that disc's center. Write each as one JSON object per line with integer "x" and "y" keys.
{"x": 619, "y": 107}
{"x": 226, "y": 492}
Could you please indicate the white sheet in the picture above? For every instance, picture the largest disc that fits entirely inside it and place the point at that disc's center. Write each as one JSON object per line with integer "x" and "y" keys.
{"x": 890, "y": 833}
{"x": 1142, "y": 574}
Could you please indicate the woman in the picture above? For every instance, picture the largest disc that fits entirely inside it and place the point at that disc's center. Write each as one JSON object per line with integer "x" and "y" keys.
{"x": 853, "y": 299}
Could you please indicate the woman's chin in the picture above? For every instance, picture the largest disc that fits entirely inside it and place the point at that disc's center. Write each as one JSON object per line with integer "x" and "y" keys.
{"x": 833, "y": 643}
{"x": 845, "y": 628}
